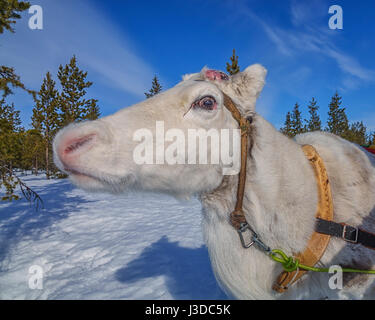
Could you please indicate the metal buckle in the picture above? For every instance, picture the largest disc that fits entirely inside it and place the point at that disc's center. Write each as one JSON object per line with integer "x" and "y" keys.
{"x": 351, "y": 230}
{"x": 241, "y": 230}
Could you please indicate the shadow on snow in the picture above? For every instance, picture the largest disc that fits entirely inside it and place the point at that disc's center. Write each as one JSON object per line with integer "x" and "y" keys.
{"x": 187, "y": 270}
{"x": 19, "y": 219}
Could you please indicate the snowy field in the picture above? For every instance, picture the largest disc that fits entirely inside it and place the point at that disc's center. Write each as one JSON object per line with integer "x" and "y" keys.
{"x": 99, "y": 246}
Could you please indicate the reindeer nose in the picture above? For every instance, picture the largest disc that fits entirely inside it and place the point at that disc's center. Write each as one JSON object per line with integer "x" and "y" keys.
{"x": 69, "y": 148}
{"x": 72, "y": 145}
{"x": 76, "y": 144}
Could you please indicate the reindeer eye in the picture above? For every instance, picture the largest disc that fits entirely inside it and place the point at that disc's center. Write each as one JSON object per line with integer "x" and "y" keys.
{"x": 206, "y": 103}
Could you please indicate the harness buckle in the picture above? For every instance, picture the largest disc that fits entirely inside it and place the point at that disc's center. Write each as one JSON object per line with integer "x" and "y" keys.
{"x": 254, "y": 238}
{"x": 350, "y": 234}
{"x": 243, "y": 228}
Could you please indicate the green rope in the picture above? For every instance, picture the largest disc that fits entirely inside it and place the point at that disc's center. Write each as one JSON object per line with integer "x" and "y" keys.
{"x": 290, "y": 264}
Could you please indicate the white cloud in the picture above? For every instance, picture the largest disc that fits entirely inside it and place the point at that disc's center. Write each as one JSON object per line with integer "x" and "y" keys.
{"x": 305, "y": 38}
{"x": 75, "y": 27}
{"x": 306, "y": 12}
{"x": 276, "y": 37}
{"x": 350, "y": 65}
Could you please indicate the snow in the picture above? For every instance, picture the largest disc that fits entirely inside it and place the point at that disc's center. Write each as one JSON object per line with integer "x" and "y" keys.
{"x": 101, "y": 246}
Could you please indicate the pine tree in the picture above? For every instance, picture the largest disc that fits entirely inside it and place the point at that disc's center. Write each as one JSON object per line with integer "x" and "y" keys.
{"x": 357, "y": 133}
{"x": 45, "y": 117}
{"x": 10, "y": 147}
{"x": 296, "y": 121}
{"x": 9, "y": 79}
{"x": 314, "y": 123}
{"x": 233, "y": 67}
{"x": 155, "y": 88}
{"x": 92, "y": 110}
{"x": 10, "y": 127}
{"x": 10, "y": 11}
{"x": 72, "y": 103}
{"x": 372, "y": 139}
{"x": 33, "y": 150}
{"x": 337, "y": 123}
{"x": 287, "y": 129}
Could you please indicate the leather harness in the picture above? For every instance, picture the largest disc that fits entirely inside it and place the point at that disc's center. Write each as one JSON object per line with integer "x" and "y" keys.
{"x": 318, "y": 242}
{"x": 325, "y": 227}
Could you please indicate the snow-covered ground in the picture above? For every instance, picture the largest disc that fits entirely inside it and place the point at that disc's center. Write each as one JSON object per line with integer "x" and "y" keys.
{"x": 100, "y": 246}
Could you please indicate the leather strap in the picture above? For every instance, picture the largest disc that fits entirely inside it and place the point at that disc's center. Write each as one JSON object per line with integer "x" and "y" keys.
{"x": 346, "y": 232}
{"x": 237, "y": 217}
{"x": 318, "y": 242}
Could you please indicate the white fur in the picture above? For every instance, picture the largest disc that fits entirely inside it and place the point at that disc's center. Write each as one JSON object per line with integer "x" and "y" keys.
{"x": 281, "y": 193}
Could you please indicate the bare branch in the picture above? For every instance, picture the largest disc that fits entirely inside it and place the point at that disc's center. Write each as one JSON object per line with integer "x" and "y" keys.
{"x": 29, "y": 194}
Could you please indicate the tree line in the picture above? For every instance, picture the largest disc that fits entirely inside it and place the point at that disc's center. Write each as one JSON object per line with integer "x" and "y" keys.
{"x": 53, "y": 109}
{"x": 337, "y": 122}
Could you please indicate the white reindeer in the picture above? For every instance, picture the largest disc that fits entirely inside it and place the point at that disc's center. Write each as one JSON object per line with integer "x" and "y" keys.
{"x": 281, "y": 194}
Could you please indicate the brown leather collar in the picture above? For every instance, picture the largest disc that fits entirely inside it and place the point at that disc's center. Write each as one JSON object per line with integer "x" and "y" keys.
{"x": 237, "y": 216}
{"x": 318, "y": 242}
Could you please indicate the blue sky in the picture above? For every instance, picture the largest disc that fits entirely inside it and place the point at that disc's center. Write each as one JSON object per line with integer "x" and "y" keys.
{"x": 123, "y": 44}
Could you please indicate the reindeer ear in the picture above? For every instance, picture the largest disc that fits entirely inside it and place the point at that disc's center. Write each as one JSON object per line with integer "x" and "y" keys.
{"x": 189, "y": 76}
{"x": 249, "y": 83}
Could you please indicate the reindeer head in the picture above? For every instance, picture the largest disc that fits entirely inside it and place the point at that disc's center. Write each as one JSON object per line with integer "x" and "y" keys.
{"x": 146, "y": 146}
